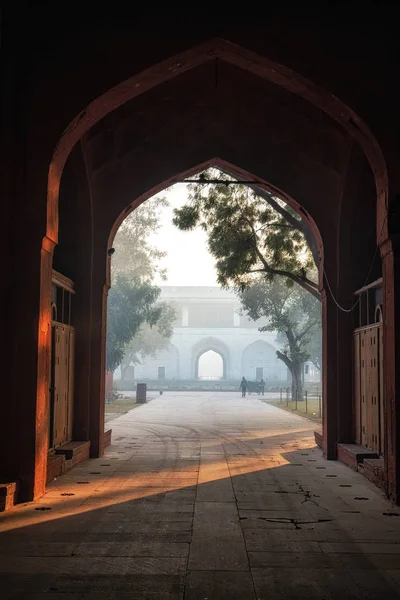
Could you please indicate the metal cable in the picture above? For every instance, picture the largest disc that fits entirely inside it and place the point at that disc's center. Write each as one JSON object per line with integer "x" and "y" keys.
{"x": 349, "y": 310}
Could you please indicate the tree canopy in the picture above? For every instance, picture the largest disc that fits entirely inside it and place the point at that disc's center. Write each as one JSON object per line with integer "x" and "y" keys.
{"x": 250, "y": 232}
{"x": 315, "y": 348}
{"x": 291, "y": 311}
{"x": 135, "y": 257}
{"x": 129, "y": 307}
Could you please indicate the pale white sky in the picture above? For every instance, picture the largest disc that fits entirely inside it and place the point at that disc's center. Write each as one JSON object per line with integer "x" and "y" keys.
{"x": 188, "y": 261}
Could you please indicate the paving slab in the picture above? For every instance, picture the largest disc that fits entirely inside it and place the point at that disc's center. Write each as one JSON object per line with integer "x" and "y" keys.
{"x": 129, "y": 549}
{"x": 219, "y": 585}
{"x": 158, "y": 585}
{"x": 204, "y": 496}
{"x": 294, "y": 560}
{"x": 217, "y": 542}
{"x": 329, "y": 584}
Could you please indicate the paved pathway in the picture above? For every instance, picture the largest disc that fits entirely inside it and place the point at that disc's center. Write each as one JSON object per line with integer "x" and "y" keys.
{"x": 204, "y": 497}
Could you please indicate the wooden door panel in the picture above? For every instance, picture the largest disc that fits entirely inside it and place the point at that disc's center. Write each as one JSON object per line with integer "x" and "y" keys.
{"x": 363, "y": 386}
{"x": 61, "y": 385}
{"x": 374, "y": 389}
{"x": 357, "y": 387}
{"x": 368, "y": 387}
{"x": 70, "y": 402}
{"x": 381, "y": 393}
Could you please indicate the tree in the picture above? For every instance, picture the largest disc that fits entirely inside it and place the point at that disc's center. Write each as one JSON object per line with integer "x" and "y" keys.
{"x": 291, "y": 311}
{"x": 133, "y": 298}
{"x": 134, "y": 256}
{"x": 149, "y": 339}
{"x": 250, "y": 232}
{"x": 314, "y": 347}
{"x": 129, "y": 307}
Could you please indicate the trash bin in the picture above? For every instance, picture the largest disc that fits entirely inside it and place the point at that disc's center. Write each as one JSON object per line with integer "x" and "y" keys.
{"x": 141, "y": 390}
{"x": 252, "y": 387}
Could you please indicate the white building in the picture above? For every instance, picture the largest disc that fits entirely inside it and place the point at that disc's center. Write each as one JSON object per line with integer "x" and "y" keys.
{"x": 208, "y": 322}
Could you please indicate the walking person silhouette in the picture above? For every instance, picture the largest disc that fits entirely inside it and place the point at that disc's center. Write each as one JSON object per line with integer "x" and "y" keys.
{"x": 243, "y": 387}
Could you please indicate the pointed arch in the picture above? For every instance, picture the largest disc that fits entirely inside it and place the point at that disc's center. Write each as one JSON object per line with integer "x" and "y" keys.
{"x": 206, "y": 344}
{"x": 133, "y": 87}
{"x": 233, "y": 54}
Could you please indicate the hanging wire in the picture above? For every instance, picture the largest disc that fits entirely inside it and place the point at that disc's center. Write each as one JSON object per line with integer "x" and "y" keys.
{"x": 349, "y": 310}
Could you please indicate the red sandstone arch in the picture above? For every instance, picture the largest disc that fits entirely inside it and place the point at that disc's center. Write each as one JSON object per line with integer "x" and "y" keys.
{"x": 143, "y": 82}
{"x": 240, "y": 57}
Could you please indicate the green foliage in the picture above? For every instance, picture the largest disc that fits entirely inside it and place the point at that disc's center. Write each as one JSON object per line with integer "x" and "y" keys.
{"x": 250, "y": 232}
{"x": 290, "y": 311}
{"x": 134, "y": 256}
{"x": 129, "y": 307}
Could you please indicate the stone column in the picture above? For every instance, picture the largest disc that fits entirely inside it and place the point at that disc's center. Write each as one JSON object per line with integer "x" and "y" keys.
{"x": 26, "y": 269}
{"x": 185, "y": 359}
{"x": 185, "y": 315}
{"x": 337, "y": 368}
{"x": 390, "y": 254}
{"x": 32, "y": 340}
{"x": 346, "y": 286}
{"x": 98, "y": 363}
{"x": 329, "y": 370}
{"x": 82, "y": 310}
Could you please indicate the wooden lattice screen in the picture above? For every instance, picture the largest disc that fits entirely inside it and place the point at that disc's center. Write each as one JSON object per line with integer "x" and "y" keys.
{"x": 368, "y": 370}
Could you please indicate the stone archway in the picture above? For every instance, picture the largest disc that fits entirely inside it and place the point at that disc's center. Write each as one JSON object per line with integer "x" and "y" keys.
{"x": 216, "y": 345}
{"x": 216, "y": 49}
{"x": 145, "y": 81}
{"x": 208, "y": 368}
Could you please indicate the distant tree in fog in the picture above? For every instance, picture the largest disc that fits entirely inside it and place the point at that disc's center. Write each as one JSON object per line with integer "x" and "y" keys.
{"x": 129, "y": 308}
{"x": 291, "y": 311}
{"x": 134, "y": 256}
{"x": 149, "y": 340}
{"x": 133, "y": 300}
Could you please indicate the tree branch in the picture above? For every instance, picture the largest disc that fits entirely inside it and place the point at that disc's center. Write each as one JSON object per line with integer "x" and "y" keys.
{"x": 304, "y": 282}
{"x": 316, "y": 363}
{"x": 307, "y": 329}
{"x": 285, "y": 359}
{"x": 300, "y": 225}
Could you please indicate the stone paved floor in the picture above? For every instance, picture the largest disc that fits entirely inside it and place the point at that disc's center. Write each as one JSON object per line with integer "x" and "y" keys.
{"x": 204, "y": 497}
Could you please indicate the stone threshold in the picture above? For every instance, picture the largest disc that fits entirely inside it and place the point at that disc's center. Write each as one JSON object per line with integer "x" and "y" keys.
{"x": 62, "y": 459}
{"x": 359, "y": 458}
{"x": 363, "y": 460}
{"x": 8, "y": 495}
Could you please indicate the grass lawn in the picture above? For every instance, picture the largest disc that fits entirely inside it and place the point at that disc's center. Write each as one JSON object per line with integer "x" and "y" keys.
{"x": 312, "y": 408}
{"x": 121, "y": 406}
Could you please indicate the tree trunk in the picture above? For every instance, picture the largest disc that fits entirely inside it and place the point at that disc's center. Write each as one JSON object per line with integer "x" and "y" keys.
{"x": 296, "y": 370}
{"x": 109, "y": 384}
{"x": 297, "y": 382}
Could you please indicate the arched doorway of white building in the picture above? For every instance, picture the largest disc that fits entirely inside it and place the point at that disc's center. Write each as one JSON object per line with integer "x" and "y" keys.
{"x": 210, "y": 366}
{"x": 202, "y": 348}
